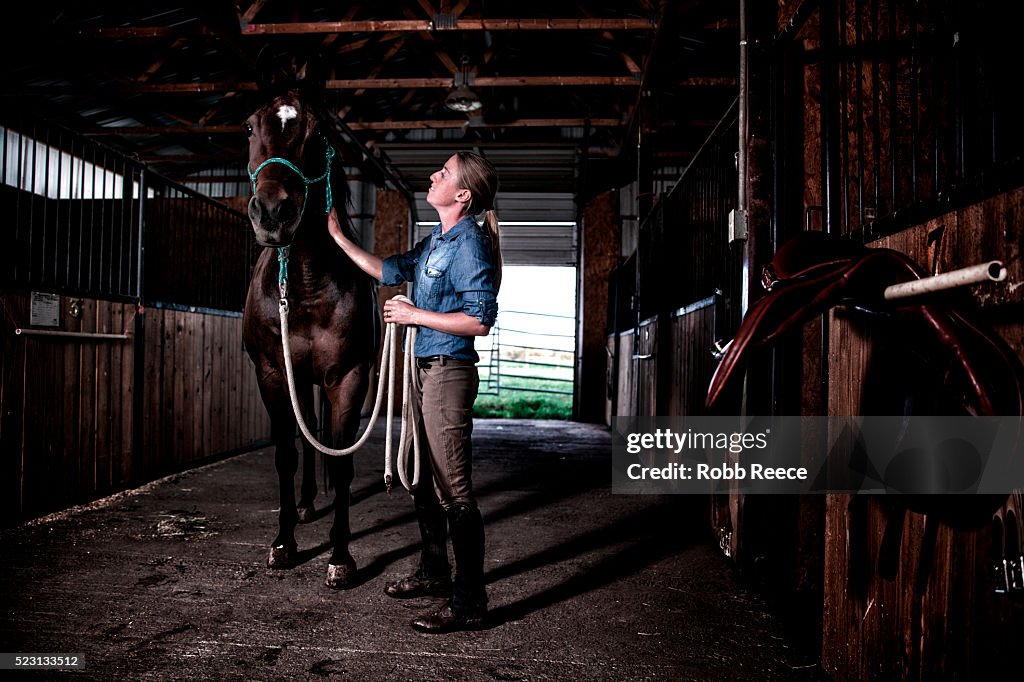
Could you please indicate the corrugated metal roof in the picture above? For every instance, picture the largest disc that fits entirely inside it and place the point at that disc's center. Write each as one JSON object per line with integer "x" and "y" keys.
{"x": 536, "y": 228}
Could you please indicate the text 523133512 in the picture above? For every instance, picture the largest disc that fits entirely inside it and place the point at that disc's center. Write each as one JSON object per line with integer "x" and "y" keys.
{"x": 19, "y": 661}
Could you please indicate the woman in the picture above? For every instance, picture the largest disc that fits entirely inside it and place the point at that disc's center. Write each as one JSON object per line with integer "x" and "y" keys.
{"x": 456, "y": 272}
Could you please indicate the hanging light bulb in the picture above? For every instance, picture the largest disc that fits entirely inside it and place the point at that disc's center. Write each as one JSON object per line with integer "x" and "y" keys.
{"x": 462, "y": 98}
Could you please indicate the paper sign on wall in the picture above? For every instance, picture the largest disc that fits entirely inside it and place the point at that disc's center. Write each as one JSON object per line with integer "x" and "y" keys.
{"x": 45, "y": 309}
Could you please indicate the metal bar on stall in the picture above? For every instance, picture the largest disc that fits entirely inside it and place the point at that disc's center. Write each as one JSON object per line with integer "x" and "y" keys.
{"x": 70, "y": 335}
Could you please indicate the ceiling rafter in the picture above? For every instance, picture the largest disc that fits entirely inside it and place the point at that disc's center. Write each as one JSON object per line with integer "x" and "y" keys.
{"x": 362, "y": 43}
{"x": 332, "y": 38}
{"x": 630, "y": 63}
{"x": 254, "y": 9}
{"x": 156, "y": 65}
{"x": 441, "y": 54}
{"x": 388, "y": 56}
{"x": 377, "y": 26}
{"x": 389, "y": 88}
{"x": 428, "y": 82}
{"x": 128, "y": 131}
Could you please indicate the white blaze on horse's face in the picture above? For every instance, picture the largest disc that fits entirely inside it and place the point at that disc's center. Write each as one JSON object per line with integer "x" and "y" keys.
{"x": 286, "y": 112}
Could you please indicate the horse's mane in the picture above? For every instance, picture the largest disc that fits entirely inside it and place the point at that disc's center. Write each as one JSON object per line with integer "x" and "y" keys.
{"x": 339, "y": 178}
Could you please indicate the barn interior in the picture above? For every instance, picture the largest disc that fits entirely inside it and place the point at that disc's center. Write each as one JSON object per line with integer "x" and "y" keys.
{"x": 667, "y": 150}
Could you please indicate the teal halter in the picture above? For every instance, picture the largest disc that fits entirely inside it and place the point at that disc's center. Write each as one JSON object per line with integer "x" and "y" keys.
{"x": 282, "y": 253}
{"x": 329, "y": 154}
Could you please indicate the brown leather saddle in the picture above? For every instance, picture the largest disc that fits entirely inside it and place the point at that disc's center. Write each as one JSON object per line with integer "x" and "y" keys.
{"x": 933, "y": 358}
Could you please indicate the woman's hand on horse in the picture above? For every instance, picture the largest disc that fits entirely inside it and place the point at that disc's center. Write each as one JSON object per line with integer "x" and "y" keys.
{"x": 399, "y": 311}
{"x": 366, "y": 261}
{"x": 334, "y": 228}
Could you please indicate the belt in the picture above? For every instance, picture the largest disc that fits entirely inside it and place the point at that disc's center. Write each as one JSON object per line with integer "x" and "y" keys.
{"x": 440, "y": 360}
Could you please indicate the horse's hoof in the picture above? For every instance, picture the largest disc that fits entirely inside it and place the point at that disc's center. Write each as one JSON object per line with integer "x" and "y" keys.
{"x": 340, "y": 577}
{"x": 307, "y": 513}
{"x": 282, "y": 557}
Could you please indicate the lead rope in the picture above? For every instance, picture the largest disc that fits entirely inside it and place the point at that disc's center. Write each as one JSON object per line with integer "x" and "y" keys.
{"x": 388, "y": 361}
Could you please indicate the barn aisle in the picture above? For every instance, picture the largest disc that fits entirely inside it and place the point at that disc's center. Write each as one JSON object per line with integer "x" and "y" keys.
{"x": 170, "y": 581}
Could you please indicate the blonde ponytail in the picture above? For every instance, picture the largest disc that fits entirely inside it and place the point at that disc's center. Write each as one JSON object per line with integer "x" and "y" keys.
{"x": 491, "y": 224}
{"x": 478, "y": 175}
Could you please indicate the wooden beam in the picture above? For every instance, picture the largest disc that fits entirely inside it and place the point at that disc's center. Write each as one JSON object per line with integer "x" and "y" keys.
{"x": 630, "y": 63}
{"x": 357, "y": 45}
{"x": 585, "y": 24}
{"x": 253, "y": 10}
{"x": 518, "y": 123}
{"x": 155, "y": 66}
{"x": 438, "y": 51}
{"x": 131, "y": 131}
{"x": 393, "y": 83}
{"x": 388, "y": 56}
{"x": 330, "y": 39}
{"x": 377, "y": 26}
{"x": 431, "y": 82}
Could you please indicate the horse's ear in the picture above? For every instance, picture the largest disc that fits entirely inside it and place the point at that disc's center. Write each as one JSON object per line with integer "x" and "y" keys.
{"x": 313, "y": 75}
{"x": 271, "y": 76}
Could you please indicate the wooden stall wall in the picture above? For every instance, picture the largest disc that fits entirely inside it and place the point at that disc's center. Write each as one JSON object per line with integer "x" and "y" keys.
{"x": 86, "y": 415}
{"x": 67, "y": 403}
{"x": 689, "y": 359}
{"x": 941, "y": 614}
{"x": 66, "y": 406}
{"x": 645, "y": 368}
{"x": 200, "y": 397}
{"x": 665, "y": 367}
{"x": 625, "y": 388}
{"x": 611, "y": 377}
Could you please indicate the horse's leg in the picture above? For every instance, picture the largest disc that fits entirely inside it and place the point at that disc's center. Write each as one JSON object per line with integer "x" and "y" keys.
{"x": 283, "y": 549}
{"x": 346, "y": 402}
{"x": 307, "y": 489}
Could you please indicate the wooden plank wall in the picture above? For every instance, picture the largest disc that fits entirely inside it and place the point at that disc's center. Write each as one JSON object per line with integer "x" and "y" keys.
{"x": 670, "y": 375}
{"x": 611, "y": 378}
{"x": 201, "y": 398}
{"x": 624, "y": 387}
{"x": 67, "y": 404}
{"x": 67, "y": 408}
{"x": 646, "y": 368}
{"x": 691, "y": 335}
{"x": 938, "y": 616}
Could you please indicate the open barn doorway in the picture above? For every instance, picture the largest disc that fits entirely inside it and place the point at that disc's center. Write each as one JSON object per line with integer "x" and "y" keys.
{"x": 527, "y": 363}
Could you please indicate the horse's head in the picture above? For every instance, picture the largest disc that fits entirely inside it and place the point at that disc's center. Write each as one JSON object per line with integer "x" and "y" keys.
{"x": 289, "y": 162}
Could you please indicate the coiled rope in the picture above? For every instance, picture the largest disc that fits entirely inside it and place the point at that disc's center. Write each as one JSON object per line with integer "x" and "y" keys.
{"x": 388, "y": 356}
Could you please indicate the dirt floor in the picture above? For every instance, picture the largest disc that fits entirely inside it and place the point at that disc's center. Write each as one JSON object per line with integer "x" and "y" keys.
{"x": 170, "y": 581}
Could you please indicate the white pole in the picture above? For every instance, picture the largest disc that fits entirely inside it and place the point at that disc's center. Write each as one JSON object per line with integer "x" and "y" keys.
{"x": 992, "y": 271}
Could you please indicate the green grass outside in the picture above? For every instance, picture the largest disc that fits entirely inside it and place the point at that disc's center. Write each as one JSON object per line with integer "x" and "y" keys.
{"x": 507, "y": 404}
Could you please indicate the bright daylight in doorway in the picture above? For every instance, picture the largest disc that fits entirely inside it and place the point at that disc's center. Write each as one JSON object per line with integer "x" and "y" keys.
{"x": 526, "y": 364}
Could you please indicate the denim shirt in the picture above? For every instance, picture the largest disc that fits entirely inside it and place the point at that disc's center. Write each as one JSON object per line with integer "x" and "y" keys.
{"x": 451, "y": 272}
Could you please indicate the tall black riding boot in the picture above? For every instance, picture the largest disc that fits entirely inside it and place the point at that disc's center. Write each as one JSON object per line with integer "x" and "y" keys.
{"x": 434, "y": 536}
{"x": 467, "y": 531}
{"x": 433, "y": 578}
{"x": 468, "y": 606}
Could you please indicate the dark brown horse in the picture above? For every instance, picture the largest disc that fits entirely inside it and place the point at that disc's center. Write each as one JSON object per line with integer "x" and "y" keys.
{"x": 331, "y": 308}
